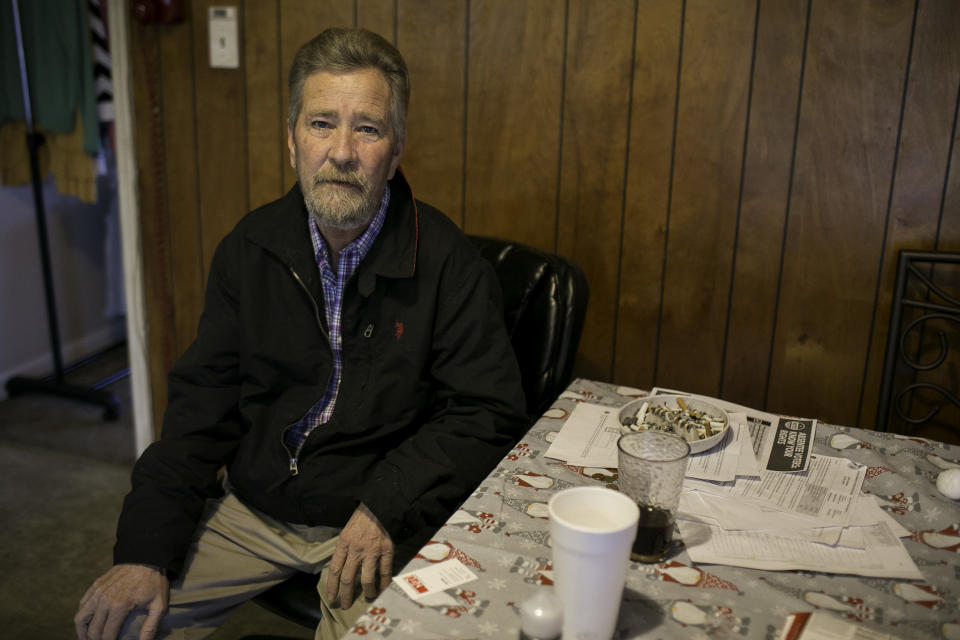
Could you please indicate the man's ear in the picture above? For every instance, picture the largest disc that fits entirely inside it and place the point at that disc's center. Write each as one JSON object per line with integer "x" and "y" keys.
{"x": 292, "y": 147}
{"x": 397, "y": 152}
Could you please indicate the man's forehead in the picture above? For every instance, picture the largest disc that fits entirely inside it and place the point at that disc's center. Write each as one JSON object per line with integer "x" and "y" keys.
{"x": 364, "y": 85}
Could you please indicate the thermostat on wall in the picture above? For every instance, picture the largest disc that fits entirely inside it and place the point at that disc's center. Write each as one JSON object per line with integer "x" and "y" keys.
{"x": 224, "y": 41}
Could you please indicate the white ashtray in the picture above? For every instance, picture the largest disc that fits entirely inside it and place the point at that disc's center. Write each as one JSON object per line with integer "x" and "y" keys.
{"x": 701, "y": 424}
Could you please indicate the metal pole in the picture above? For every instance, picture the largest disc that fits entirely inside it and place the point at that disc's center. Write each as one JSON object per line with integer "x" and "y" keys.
{"x": 32, "y": 142}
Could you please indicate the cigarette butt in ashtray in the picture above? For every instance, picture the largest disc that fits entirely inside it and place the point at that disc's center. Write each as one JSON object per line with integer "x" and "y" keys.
{"x": 642, "y": 414}
{"x": 706, "y": 426}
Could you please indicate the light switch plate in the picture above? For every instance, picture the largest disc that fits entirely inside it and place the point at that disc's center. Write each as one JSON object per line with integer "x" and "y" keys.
{"x": 224, "y": 41}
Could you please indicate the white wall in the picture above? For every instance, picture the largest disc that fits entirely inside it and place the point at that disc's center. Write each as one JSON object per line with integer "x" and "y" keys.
{"x": 76, "y": 233}
{"x": 119, "y": 20}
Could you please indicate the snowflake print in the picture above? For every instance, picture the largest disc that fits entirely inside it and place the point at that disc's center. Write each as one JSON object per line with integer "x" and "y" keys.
{"x": 409, "y": 626}
{"x": 497, "y": 584}
{"x": 488, "y": 628}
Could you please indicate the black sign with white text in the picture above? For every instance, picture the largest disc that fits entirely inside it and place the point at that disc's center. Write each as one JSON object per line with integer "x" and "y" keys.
{"x": 791, "y": 445}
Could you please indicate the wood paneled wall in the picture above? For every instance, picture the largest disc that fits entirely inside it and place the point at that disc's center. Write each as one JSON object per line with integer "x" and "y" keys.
{"x": 735, "y": 178}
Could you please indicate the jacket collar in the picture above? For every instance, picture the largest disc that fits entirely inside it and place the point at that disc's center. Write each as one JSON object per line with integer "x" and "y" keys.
{"x": 393, "y": 254}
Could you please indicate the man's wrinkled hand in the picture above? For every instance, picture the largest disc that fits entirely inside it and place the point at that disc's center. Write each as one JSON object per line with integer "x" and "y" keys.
{"x": 365, "y": 547}
{"x": 114, "y": 595}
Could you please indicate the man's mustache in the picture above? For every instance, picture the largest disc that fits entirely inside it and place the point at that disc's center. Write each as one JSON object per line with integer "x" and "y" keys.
{"x": 346, "y": 177}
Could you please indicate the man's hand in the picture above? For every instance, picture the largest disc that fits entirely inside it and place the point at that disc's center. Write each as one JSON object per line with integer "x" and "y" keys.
{"x": 114, "y": 595}
{"x": 364, "y": 545}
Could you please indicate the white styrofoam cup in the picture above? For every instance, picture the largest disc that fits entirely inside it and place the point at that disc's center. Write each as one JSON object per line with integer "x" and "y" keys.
{"x": 591, "y": 531}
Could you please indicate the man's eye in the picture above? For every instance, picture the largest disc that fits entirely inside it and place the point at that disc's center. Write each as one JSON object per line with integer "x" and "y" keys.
{"x": 320, "y": 124}
{"x": 367, "y": 129}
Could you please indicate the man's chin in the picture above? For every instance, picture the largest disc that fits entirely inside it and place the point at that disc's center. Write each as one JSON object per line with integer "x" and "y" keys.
{"x": 348, "y": 224}
{"x": 340, "y": 207}
{"x": 338, "y": 218}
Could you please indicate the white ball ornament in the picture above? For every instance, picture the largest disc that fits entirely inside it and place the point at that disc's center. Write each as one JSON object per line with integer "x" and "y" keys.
{"x": 948, "y": 483}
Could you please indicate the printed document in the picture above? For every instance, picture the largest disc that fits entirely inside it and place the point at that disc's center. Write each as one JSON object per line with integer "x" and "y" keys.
{"x": 588, "y": 437}
{"x": 883, "y": 555}
{"x": 826, "y": 491}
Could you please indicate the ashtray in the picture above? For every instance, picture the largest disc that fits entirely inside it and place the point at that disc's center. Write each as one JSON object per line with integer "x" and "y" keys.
{"x": 701, "y": 424}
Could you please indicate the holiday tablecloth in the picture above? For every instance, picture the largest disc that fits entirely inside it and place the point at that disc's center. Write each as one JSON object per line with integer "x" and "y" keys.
{"x": 501, "y": 534}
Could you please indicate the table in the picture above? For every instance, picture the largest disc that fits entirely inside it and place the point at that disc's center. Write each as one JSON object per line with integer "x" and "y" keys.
{"x": 500, "y": 533}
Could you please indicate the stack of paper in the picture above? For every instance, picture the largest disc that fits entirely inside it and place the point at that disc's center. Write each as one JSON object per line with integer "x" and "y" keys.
{"x": 760, "y": 498}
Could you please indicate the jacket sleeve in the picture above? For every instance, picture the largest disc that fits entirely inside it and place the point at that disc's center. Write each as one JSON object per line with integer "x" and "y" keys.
{"x": 478, "y": 410}
{"x": 177, "y": 474}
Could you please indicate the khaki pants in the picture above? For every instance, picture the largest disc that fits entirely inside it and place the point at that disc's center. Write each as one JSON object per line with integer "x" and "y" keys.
{"x": 237, "y": 554}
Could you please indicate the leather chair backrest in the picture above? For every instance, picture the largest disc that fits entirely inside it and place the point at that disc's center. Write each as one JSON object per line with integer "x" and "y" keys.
{"x": 545, "y": 302}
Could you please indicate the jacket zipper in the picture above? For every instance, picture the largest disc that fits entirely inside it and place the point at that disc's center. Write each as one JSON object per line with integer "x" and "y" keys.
{"x": 316, "y": 315}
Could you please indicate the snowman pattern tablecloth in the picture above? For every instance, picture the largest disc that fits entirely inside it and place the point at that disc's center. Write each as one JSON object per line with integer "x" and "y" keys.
{"x": 501, "y": 534}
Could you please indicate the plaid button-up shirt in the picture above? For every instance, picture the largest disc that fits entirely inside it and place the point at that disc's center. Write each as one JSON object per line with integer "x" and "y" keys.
{"x": 334, "y": 282}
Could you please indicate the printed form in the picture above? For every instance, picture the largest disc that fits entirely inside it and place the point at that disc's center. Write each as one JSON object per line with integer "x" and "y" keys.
{"x": 589, "y": 437}
{"x": 827, "y": 491}
{"x": 883, "y": 555}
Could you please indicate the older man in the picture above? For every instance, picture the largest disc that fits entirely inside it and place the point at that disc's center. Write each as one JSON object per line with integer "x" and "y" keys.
{"x": 351, "y": 372}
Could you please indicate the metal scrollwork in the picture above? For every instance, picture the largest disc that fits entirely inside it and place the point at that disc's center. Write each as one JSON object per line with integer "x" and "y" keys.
{"x": 916, "y": 292}
{"x": 941, "y": 336}
{"x": 898, "y": 404}
{"x": 932, "y": 287}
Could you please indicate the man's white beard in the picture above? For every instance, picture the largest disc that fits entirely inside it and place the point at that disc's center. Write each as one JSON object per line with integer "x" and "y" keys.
{"x": 340, "y": 208}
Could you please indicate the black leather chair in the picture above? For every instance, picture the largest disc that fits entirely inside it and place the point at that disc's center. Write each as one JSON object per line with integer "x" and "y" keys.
{"x": 545, "y": 302}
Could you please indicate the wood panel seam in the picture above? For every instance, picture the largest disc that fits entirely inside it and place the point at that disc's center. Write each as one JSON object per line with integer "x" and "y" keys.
{"x": 623, "y": 193}
{"x": 281, "y": 81}
{"x": 563, "y": 99}
{"x": 886, "y": 222}
{"x": 673, "y": 156}
{"x": 736, "y": 228}
{"x": 246, "y": 113}
{"x": 786, "y": 214}
{"x": 196, "y": 154}
{"x": 466, "y": 119}
{"x": 946, "y": 176}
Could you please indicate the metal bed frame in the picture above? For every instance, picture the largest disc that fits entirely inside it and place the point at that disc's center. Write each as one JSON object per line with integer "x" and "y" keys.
{"x": 917, "y": 291}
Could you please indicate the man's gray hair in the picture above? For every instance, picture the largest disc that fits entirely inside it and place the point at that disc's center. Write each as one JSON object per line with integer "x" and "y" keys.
{"x": 343, "y": 50}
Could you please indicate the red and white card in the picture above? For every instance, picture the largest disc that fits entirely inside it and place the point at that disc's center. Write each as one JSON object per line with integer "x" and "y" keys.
{"x": 435, "y": 578}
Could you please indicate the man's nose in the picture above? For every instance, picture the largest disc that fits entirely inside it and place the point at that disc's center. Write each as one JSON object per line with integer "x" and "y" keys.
{"x": 343, "y": 150}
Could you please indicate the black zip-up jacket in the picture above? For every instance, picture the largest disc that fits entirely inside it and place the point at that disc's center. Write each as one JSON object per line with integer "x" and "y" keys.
{"x": 429, "y": 402}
